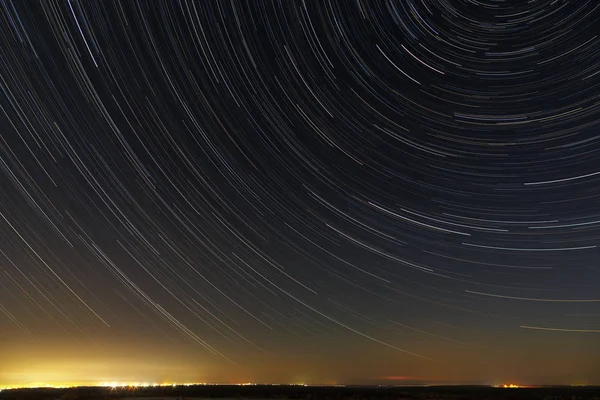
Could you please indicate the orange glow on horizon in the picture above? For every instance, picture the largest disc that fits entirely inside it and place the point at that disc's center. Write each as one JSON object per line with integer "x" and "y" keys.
{"x": 113, "y": 385}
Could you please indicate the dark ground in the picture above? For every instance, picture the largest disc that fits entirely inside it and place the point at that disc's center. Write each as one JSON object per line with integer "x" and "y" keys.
{"x": 306, "y": 393}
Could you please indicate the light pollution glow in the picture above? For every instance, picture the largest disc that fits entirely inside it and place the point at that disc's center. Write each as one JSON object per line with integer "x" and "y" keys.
{"x": 134, "y": 385}
{"x": 114, "y": 385}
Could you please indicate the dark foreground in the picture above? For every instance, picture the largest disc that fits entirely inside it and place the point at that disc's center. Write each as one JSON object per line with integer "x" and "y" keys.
{"x": 262, "y": 392}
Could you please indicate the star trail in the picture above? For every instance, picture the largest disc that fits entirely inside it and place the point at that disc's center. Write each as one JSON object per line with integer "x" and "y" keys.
{"x": 300, "y": 191}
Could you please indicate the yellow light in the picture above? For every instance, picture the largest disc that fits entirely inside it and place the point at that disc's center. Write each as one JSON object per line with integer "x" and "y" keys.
{"x": 112, "y": 385}
{"x": 510, "y": 386}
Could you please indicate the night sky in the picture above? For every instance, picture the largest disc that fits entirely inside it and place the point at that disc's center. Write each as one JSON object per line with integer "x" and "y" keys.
{"x": 300, "y": 192}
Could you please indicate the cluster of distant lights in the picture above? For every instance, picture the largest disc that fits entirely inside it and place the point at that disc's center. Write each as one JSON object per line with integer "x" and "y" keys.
{"x": 122, "y": 385}
{"x": 135, "y": 385}
{"x": 113, "y": 385}
{"x": 116, "y": 385}
{"x": 119, "y": 385}
{"x": 510, "y": 386}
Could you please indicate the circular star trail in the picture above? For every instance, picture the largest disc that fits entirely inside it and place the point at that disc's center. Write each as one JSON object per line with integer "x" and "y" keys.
{"x": 412, "y": 183}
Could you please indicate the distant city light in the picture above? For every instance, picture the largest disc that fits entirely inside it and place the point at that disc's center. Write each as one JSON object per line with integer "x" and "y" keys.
{"x": 112, "y": 385}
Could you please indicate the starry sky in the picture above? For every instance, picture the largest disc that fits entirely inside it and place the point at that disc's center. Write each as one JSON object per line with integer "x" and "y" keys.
{"x": 300, "y": 191}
